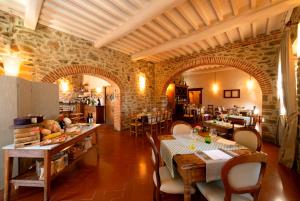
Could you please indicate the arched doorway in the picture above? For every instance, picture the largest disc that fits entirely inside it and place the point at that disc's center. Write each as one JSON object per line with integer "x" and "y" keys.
{"x": 261, "y": 76}
{"x": 269, "y": 107}
{"x": 94, "y": 71}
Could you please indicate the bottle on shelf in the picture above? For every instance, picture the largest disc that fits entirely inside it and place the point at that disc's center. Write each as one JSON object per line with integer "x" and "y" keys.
{"x": 91, "y": 118}
{"x": 88, "y": 118}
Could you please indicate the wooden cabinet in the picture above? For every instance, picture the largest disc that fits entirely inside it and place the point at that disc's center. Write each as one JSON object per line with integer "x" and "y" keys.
{"x": 177, "y": 96}
{"x": 97, "y": 111}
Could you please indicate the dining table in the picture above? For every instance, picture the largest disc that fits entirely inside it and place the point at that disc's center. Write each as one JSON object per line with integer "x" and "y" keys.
{"x": 181, "y": 160}
{"x": 221, "y": 126}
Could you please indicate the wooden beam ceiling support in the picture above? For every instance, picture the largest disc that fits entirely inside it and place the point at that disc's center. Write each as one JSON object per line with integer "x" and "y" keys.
{"x": 229, "y": 37}
{"x": 249, "y": 16}
{"x": 201, "y": 12}
{"x": 164, "y": 22}
{"x": 218, "y": 9}
{"x": 141, "y": 17}
{"x": 177, "y": 19}
{"x": 253, "y": 28}
{"x": 234, "y": 6}
{"x": 241, "y": 33}
{"x": 253, "y": 4}
{"x": 32, "y": 13}
{"x": 268, "y": 26}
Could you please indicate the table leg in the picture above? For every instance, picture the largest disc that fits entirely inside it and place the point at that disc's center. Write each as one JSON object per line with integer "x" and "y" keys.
{"x": 8, "y": 163}
{"x": 187, "y": 187}
{"x": 47, "y": 175}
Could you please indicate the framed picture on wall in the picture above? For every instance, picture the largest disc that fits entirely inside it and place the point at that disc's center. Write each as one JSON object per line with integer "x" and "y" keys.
{"x": 232, "y": 93}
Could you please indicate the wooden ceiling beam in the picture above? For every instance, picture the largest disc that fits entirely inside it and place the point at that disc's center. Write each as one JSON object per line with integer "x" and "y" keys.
{"x": 253, "y": 29}
{"x": 68, "y": 30}
{"x": 241, "y": 33}
{"x": 48, "y": 15}
{"x": 253, "y": 4}
{"x": 159, "y": 30}
{"x": 32, "y": 13}
{"x": 109, "y": 7}
{"x": 234, "y": 6}
{"x": 216, "y": 4}
{"x": 71, "y": 15}
{"x": 268, "y": 26}
{"x": 178, "y": 20}
{"x": 150, "y": 10}
{"x": 151, "y": 34}
{"x": 230, "y": 39}
{"x": 138, "y": 41}
{"x": 201, "y": 12}
{"x": 188, "y": 17}
{"x": 141, "y": 36}
{"x": 164, "y": 22}
{"x": 248, "y": 16}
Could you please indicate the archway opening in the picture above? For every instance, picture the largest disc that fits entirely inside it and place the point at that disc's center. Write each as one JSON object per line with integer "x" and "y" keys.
{"x": 113, "y": 90}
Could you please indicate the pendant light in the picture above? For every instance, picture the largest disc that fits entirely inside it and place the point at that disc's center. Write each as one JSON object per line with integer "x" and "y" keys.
{"x": 215, "y": 87}
{"x": 250, "y": 83}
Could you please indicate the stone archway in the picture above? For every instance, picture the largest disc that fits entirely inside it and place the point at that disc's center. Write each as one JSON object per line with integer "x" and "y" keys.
{"x": 94, "y": 71}
{"x": 261, "y": 76}
{"x": 175, "y": 68}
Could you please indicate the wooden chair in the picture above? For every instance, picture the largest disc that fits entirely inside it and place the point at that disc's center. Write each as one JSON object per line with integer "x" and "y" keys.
{"x": 210, "y": 109}
{"x": 152, "y": 123}
{"x": 169, "y": 119}
{"x": 189, "y": 115}
{"x": 134, "y": 125}
{"x": 162, "y": 179}
{"x": 248, "y": 137}
{"x": 163, "y": 123}
{"x": 241, "y": 179}
{"x": 181, "y": 128}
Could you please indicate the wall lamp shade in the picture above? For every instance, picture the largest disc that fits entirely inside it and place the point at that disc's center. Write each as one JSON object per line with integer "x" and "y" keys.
{"x": 142, "y": 82}
{"x": 64, "y": 86}
{"x": 215, "y": 88}
{"x": 11, "y": 65}
{"x": 250, "y": 84}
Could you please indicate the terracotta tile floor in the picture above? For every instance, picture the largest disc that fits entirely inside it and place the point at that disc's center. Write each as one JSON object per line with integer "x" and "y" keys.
{"x": 124, "y": 173}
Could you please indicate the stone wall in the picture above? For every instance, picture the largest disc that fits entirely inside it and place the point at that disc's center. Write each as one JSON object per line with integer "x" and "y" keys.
{"x": 258, "y": 57}
{"x": 46, "y": 50}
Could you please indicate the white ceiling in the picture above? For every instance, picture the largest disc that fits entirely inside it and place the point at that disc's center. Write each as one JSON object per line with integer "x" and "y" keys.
{"x": 157, "y": 30}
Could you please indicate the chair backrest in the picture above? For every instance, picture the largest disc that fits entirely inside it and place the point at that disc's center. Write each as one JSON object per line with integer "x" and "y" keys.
{"x": 210, "y": 109}
{"x": 206, "y": 117}
{"x": 181, "y": 128}
{"x": 236, "y": 121}
{"x": 243, "y": 174}
{"x": 151, "y": 118}
{"x": 154, "y": 158}
{"x": 248, "y": 137}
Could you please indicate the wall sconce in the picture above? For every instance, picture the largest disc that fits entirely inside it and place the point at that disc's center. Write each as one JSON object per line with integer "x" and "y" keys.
{"x": 215, "y": 87}
{"x": 64, "y": 86}
{"x": 250, "y": 83}
{"x": 142, "y": 82}
{"x": 11, "y": 65}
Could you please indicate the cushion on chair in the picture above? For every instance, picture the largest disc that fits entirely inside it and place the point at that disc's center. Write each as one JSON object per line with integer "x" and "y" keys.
{"x": 182, "y": 129}
{"x": 244, "y": 175}
{"x": 214, "y": 191}
{"x": 168, "y": 184}
{"x": 247, "y": 139}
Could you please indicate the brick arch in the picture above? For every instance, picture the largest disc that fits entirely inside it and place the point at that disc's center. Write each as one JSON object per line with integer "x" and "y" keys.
{"x": 260, "y": 75}
{"x": 94, "y": 71}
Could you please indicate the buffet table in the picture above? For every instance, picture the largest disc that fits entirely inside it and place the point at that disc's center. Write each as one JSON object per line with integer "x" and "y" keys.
{"x": 44, "y": 152}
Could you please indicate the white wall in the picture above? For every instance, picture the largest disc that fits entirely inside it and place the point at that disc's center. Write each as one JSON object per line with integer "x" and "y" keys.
{"x": 229, "y": 79}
